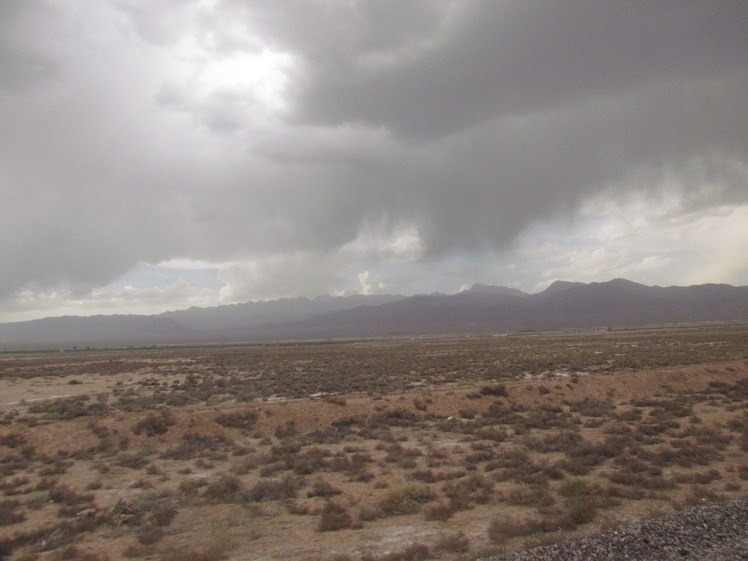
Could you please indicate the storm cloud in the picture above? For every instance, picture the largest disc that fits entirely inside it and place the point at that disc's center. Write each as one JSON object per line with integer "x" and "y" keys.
{"x": 298, "y": 147}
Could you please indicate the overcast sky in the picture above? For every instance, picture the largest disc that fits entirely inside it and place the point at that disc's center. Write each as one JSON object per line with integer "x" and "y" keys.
{"x": 159, "y": 154}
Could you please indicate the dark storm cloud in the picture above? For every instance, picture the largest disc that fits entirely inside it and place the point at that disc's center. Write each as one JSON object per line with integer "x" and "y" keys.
{"x": 527, "y": 107}
{"x": 522, "y": 109}
{"x": 138, "y": 131}
{"x": 23, "y": 64}
{"x": 451, "y": 65}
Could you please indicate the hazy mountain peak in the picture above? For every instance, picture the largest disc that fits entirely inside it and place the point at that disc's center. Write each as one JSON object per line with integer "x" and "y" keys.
{"x": 559, "y": 285}
{"x": 493, "y": 289}
{"x": 624, "y": 283}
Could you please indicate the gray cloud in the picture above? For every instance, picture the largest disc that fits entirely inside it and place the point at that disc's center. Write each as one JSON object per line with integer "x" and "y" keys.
{"x": 313, "y": 137}
{"x": 468, "y": 62}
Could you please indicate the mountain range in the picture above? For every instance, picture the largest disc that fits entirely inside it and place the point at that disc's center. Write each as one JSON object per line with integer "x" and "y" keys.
{"x": 480, "y": 309}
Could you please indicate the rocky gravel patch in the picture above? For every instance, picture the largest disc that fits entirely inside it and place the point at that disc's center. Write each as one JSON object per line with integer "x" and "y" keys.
{"x": 710, "y": 532}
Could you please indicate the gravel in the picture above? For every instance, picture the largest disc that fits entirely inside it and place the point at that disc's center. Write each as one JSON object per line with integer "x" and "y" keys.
{"x": 710, "y": 532}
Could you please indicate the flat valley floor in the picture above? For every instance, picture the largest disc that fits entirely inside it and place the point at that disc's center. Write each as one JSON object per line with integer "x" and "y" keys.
{"x": 383, "y": 450}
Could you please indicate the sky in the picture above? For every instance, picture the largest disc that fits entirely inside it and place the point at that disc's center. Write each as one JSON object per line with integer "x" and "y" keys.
{"x": 162, "y": 154}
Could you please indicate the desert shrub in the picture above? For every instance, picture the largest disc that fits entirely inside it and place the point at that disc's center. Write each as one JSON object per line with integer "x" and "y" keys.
{"x": 424, "y": 475}
{"x": 511, "y": 458}
{"x": 443, "y": 510}
{"x": 529, "y": 495}
{"x": 287, "y": 430}
{"x": 244, "y": 466}
{"x": 308, "y": 461}
{"x": 13, "y": 440}
{"x": 405, "y": 457}
{"x": 656, "y": 428}
{"x": 163, "y": 516}
{"x": 352, "y": 464}
{"x": 707, "y": 435}
{"x": 334, "y": 517}
{"x": 54, "y": 467}
{"x": 731, "y": 486}
{"x": 323, "y": 489}
{"x": 585, "y": 456}
{"x": 739, "y": 423}
{"x": 575, "y": 488}
{"x": 548, "y": 417}
{"x": 635, "y": 464}
{"x": 405, "y": 500}
{"x": 274, "y": 490}
{"x": 498, "y": 390}
{"x": 395, "y": 418}
{"x": 454, "y": 543}
{"x": 368, "y": 513}
{"x": 625, "y": 492}
{"x": 505, "y": 527}
{"x": 643, "y": 480}
{"x": 467, "y": 413}
{"x": 630, "y": 415}
{"x": 62, "y": 494}
{"x": 475, "y": 488}
{"x": 478, "y": 457}
{"x": 327, "y": 435}
{"x": 697, "y": 478}
{"x": 273, "y": 468}
{"x": 420, "y": 404}
{"x": 698, "y": 495}
{"x": 149, "y": 535}
{"x": 285, "y": 449}
{"x": 131, "y": 461}
{"x": 154, "y": 423}
{"x": 617, "y": 427}
{"x": 227, "y": 489}
{"x": 196, "y": 445}
{"x": 664, "y": 409}
{"x": 579, "y": 509}
{"x": 491, "y": 433}
{"x": 684, "y": 453}
{"x": 46, "y": 483}
{"x": 299, "y": 508}
{"x": 65, "y": 408}
{"x": 11, "y": 464}
{"x": 190, "y": 486}
{"x": 48, "y": 538}
{"x": 743, "y": 471}
{"x": 414, "y": 552}
{"x": 15, "y": 486}
{"x": 238, "y": 420}
{"x": 8, "y": 514}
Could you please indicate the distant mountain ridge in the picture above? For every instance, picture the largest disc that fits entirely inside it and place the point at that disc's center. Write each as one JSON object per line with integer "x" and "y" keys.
{"x": 491, "y": 289}
{"x": 480, "y": 309}
{"x": 271, "y": 311}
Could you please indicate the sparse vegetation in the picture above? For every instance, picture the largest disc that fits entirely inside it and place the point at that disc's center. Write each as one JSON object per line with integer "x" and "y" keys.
{"x": 232, "y": 448}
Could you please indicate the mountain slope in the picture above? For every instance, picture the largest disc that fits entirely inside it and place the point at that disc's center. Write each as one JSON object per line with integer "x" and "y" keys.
{"x": 481, "y": 309}
{"x": 284, "y": 310}
{"x": 562, "y": 306}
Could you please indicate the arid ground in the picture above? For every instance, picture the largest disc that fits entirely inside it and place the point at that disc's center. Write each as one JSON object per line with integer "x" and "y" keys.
{"x": 396, "y": 450}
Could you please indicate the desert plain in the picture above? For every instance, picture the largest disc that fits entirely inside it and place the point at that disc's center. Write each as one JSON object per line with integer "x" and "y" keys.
{"x": 445, "y": 448}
